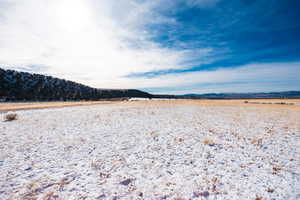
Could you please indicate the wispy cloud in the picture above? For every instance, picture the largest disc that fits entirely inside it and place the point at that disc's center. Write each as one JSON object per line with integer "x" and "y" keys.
{"x": 252, "y": 77}
{"x": 102, "y": 40}
{"x": 152, "y": 43}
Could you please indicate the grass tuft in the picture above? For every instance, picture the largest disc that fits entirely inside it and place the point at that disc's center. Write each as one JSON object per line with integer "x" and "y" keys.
{"x": 179, "y": 139}
{"x": 11, "y": 117}
{"x": 208, "y": 142}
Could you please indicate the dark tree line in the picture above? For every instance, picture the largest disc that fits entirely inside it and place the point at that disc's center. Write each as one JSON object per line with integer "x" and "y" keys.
{"x": 16, "y": 85}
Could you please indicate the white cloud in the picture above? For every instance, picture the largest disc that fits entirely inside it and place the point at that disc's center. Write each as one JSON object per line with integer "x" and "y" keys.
{"x": 93, "y": 42}
{"x": 252, "y": 77}
{"x": 98, "y": 42}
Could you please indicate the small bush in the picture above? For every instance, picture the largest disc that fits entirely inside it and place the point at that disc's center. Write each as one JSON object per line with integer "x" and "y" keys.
{"x": 179, "y": 139}
{"x": 11, "y": 117}
{"x": 257, "y": 142}
{"x": 209, "y": 142}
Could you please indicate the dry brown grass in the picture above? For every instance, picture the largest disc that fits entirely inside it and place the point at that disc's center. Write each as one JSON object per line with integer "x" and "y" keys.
{"x": 11, "y": 117}
{"x": 276, "y": 170}
{"x": 179, "y": 139}
{"x": 62, "y": 184}
{"x": 257, "y": 141}
{"x": 258, "y": 198}
{"x": 6, "y": 107}
{"x": 50, "y": 196}
{"x": 265, "y": 108}
{"x": 208, "y": 141}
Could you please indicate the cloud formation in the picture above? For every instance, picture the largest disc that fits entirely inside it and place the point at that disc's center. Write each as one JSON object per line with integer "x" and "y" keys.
{"x": 252, "y": 77}
{"x": 100, "y": 40}
{"x": 152, "y": 44}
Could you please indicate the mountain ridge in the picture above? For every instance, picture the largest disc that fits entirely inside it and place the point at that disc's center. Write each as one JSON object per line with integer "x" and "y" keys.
{"x": 15, "y": 85}
{"x": 250, "y": 95}
{"x": 25, "y": 86}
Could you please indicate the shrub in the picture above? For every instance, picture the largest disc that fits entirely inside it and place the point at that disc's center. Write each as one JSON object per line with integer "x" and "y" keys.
{"x": 209, "y": 142}
{"x": 11, "y": 117}
{"x": 179, "y": 139}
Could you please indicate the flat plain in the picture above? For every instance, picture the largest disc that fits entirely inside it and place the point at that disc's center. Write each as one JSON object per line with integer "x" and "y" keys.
{"x": 166, "y": 149}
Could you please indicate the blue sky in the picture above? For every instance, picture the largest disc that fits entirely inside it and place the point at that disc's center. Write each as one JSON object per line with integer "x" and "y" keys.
{"x": 161, "y": 46}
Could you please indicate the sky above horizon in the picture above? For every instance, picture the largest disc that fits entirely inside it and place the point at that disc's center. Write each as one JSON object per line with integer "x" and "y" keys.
{"x": 160, "y": 46}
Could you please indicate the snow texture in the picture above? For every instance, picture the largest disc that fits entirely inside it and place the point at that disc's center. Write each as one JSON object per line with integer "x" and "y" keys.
{"x": 151, "y": 151}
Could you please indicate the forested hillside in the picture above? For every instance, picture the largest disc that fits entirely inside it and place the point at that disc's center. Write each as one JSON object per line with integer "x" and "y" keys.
{"x": 16, "y": 85}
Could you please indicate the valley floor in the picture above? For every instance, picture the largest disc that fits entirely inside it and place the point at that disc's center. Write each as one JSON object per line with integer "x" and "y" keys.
{"x": 10, "y": 106}
{"x": 177, "y": 149}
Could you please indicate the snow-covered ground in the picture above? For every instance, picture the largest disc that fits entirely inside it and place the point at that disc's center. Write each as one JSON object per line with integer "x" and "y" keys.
{"x": 151, "y": 150}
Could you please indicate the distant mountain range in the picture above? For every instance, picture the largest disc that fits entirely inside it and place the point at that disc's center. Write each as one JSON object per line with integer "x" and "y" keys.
{"x": 259, "y": 95}
{"x": 19, "y": 86}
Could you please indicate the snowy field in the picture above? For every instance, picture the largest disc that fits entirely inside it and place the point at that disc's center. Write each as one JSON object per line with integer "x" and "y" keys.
{"x": 152, "y": 150}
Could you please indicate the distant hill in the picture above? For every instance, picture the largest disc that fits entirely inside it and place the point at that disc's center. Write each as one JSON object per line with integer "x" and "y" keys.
{"x": 19, "y": 86}
{"x": 261, "y": 95}
{"x": 16, "y": 85}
